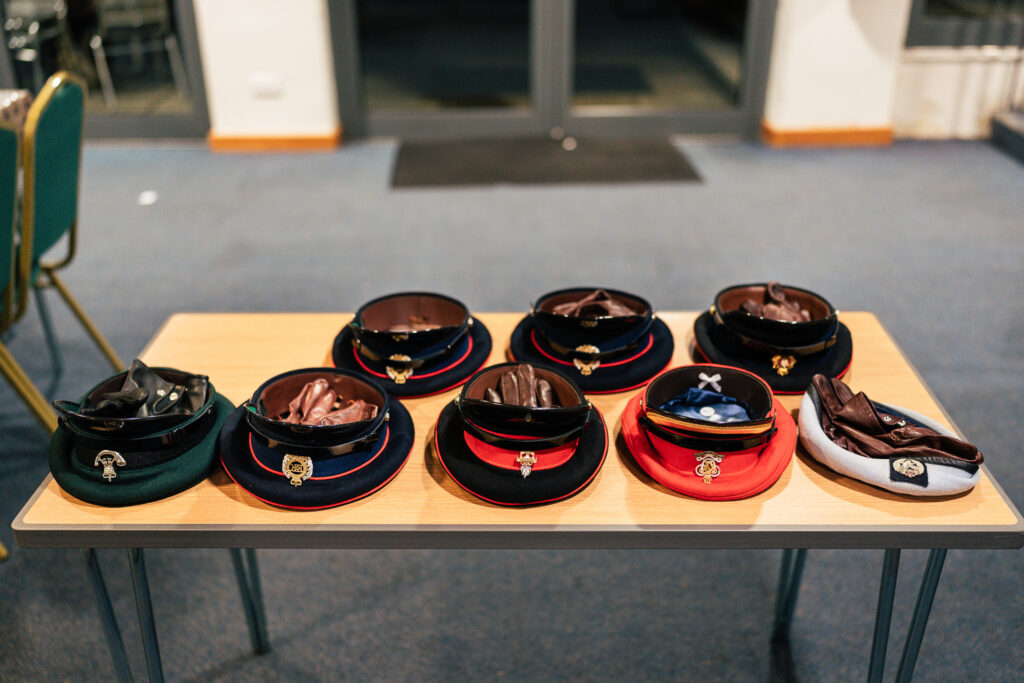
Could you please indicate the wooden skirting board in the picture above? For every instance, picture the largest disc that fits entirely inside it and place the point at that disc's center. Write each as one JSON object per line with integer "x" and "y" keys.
{"x": 826, "y": 137}
{"x": 273, "y": 143}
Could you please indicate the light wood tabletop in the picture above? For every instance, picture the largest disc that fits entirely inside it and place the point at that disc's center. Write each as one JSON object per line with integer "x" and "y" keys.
{"x": 810, "y": 506}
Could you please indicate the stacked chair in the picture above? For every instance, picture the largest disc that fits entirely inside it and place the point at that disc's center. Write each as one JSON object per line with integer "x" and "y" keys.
{"x": 51, "y": 162}
{"x": 50, "y": 156}
{"x": 15, "y": 257}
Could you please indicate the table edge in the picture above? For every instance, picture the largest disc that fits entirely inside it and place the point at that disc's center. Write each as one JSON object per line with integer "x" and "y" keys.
{"x": 511, "y": 536}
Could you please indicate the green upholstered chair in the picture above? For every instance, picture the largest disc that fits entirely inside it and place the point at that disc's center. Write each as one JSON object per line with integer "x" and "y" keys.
{"x": 51, "y": 161}
{"x": 8, "y": 281}
{"x": 12, "y": 294}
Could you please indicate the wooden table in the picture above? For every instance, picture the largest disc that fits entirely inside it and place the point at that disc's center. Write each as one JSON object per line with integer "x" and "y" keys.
{"x": 809, "y": 507}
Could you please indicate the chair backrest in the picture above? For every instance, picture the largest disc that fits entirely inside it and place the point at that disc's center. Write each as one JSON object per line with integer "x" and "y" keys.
{"x": 8, "y": 198}
{"x": 51, "y": 160}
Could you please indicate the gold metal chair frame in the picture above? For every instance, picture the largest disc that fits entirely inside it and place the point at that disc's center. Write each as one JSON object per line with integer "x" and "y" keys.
{"x": 10, "y": 368}
{"x": 48, "y": 271}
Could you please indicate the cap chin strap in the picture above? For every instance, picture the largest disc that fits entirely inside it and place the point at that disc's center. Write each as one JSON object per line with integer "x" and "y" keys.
{"x": 526, "y": 444}
{"x": 694, "y": 443}
{"x": 757, "y": 345}
{"x": 400, "y": 366}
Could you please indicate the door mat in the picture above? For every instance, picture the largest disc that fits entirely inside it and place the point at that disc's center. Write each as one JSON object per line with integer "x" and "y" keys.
{"x": 532, "y": 161}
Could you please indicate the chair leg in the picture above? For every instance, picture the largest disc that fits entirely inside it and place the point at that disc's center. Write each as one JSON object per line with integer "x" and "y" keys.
{"x": 99, "y": 56}
{"x": 27, "y": 391}
{"x": 3, "y": 553}
{"x": 177, "y": 65}
{"x": 86, "y": 321}
{"x": 51, "y": 341}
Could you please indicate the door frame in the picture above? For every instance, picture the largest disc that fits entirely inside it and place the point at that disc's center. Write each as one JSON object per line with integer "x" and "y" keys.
{"x": 195, "y": 124}
{"x": 552, "y": 39}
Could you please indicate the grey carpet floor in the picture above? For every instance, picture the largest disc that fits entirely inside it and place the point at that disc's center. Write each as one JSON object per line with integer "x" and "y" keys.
{"x": 926, "y": 235}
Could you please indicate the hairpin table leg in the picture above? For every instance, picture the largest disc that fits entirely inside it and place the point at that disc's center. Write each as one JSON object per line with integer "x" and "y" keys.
{"x": 144, "y": 605}
{"x": 248, "y": 575}
{"x": 107, "y": 618}
{"x": 929, "y": 582}
{"x": 883, "y": 615}
{"x": 789, "y": 586}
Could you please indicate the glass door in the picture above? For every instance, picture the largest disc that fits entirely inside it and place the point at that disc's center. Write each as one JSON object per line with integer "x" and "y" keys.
{"x": 459, "y": 68}
{"x": 440, "y": 68}
{"x": 665, "y": 66}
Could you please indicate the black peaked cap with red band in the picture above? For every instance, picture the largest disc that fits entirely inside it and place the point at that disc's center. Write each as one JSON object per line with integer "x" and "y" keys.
{"x": 705, "y": 459}
{"x": 602, "y": 353}
{"x": 517, "y": 455}
{"x": 413, "y": 363}
{"x": 785, "y": 354}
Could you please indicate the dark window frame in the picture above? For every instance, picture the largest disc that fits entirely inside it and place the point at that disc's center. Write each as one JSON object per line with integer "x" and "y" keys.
{"x": 112, "y": 125}
{"x": 929, "y": 30}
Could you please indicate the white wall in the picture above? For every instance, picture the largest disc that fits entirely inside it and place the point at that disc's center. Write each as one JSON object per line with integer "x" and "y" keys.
{"x": 268, "y": 67}
{"x": 944, "y": 92}
{"x": 834, "y": 63}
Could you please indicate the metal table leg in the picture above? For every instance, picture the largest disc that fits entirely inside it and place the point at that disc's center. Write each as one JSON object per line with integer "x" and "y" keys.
{"x": 883, "y": 615}
{"x": 113, "y": 634}
{"x": 144, "y": 605}
{"x": 252, "y": 597}
{"x": 929, "y": 582}
{"x": 789, "y": 586}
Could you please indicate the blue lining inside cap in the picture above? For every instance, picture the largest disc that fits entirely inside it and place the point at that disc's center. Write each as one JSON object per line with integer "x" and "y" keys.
{"x": 693, "y": 404}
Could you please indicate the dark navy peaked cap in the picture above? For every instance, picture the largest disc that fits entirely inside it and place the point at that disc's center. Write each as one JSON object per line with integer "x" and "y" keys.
{"x": 602, "y": 353}
{"x": 305, "y": 467}
{"x": 785, "y": 354}
{"x": 413, "y": 362}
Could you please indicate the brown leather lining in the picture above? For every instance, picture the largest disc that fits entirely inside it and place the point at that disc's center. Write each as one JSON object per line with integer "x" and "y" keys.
{"x": 732, "y": 299}
{"x": 549, "y": 304}
{"x": 399, "y": 310}
{"x": 278, "y": 395}
{"x": 564, "y": 394}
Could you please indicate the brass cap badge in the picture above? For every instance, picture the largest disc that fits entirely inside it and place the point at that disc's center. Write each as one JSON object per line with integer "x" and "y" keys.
{"x": 399, "y": 376}
{"x": 298, "y": 468}
{"x": 783, "y": 364}
{"x": 707, "y": 465}
{"x": 526, "y": 460}
{"x": 586, "y": 367}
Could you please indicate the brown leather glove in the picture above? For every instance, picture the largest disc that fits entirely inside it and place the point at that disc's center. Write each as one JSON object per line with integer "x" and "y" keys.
{"x": 598, "y": 302}
{"x": 317, "y": 404}
{"x": 775, "y": 306}
{"x": 855, "y": 424}
{"x": 522, "y": 387}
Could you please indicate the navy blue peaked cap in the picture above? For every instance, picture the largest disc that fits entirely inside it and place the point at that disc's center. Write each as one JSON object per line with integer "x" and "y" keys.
{"x": 602, "y": 353}
{"x": 785, "y": 354}
{"x": 413, "y": 343}
{"x": 306, "y": 467}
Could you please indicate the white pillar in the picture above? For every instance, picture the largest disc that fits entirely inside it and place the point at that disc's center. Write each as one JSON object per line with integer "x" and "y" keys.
{"x": 269, "y": 71}
{"x": 833, "y": 71}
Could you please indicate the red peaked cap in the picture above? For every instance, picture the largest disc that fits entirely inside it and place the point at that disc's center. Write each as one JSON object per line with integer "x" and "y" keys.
{"x": 703, "y": 459}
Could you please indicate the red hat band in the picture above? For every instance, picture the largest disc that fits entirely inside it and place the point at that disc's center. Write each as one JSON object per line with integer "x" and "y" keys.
{"x": 523, "y": 438}
{"x": 527, "y": 459}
